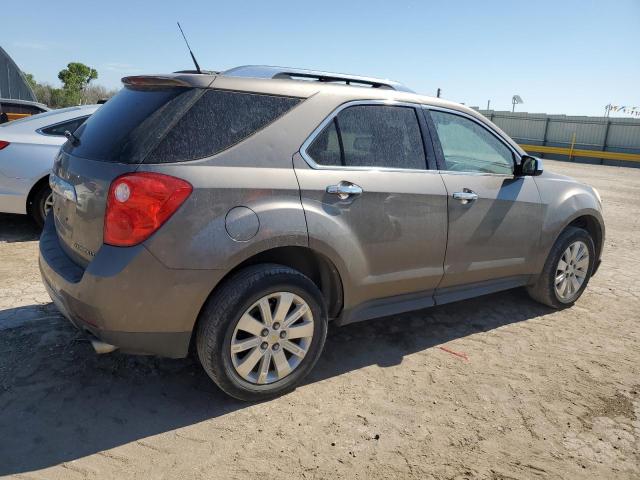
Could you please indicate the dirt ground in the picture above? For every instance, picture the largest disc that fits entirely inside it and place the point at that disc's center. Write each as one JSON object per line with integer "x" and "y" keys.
{"x": 536, "y": 393}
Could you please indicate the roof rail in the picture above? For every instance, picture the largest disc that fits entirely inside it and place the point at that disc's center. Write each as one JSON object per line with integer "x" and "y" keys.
{"x": 265, "y": 71}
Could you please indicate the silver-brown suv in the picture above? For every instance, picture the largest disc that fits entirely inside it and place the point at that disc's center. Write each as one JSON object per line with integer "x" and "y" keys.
{"x": 239, "y": 212}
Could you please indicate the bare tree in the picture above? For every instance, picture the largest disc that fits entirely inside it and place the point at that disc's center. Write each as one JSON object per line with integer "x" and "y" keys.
{"x": 93, "y": 93}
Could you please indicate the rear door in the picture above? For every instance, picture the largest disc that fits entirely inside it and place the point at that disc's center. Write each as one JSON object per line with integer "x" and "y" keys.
{"x": 372, "y": 205}
{"x": 494, "y": 217}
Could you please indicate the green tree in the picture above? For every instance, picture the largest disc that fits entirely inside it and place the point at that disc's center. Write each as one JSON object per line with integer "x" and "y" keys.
{"x": 74, "y": 92}
{"x": 30, "y": 80}
{"x": 77, "y": 76}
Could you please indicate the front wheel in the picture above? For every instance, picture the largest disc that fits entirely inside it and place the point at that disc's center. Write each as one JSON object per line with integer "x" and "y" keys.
{"x": 262, "y": 332}
{"x": 567, "y": 270}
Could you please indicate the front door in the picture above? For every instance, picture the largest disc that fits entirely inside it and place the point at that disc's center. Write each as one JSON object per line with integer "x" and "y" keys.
{"x": 494, "y": 217}
{"x": 372, "y": 206}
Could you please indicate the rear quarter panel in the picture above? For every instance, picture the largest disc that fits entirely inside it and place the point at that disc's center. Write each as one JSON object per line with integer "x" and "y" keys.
{"x": 22, "y": 165}
{"x": 196, "y": 236}
{"x": 257, "y": 174}
{"x": 28, "y": 160}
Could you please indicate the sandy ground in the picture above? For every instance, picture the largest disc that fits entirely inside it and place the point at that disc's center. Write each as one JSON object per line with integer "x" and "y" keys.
{"x": 541, "y": 393}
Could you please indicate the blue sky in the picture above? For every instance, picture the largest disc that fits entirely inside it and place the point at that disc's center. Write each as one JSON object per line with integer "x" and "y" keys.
{"x": 562, "y": 56}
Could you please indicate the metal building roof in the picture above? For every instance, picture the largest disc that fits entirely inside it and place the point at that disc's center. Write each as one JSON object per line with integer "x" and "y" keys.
{"x": 12, "y": 82}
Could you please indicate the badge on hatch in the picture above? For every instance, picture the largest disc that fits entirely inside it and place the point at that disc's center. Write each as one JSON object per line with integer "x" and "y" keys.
{"x": 84, "y": 250}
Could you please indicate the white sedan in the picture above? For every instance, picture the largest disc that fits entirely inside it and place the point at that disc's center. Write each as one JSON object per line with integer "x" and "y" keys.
{"x": 28, "y": 148}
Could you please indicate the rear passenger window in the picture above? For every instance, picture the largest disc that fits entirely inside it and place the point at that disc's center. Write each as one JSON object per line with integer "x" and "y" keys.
{"x": 217, "y": 121}
{"x": 376, "y": 136}
{"x": 325, "y": 149}
{"x": 59, "y": 129}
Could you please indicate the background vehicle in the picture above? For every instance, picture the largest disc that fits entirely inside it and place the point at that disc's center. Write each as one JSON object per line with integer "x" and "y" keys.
{"x": 239, "y": 212}
{"x": 27, "y": 149}
{"x": 13, "y": 109}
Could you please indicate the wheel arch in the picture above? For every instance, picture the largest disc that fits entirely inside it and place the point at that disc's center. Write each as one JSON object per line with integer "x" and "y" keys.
{"x": 593, "y": 226}
{"x": 319, "y": 268}
{"x": 587, "y": 219}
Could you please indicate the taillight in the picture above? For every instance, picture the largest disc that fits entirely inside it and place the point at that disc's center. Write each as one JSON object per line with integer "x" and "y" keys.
{"x": 139, "y": 203}
{"x": 3, "y": 144}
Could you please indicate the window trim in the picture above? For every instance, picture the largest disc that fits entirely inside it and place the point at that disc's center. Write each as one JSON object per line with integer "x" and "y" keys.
{"x": 41, "y": 132}
{"x": 438, "y": 147}
{"x": 329, "y": 118}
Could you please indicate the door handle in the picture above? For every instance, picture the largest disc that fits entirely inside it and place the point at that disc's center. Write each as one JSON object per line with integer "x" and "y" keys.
{"x": 466, "y": 196}
{"x": 344, "y": 189}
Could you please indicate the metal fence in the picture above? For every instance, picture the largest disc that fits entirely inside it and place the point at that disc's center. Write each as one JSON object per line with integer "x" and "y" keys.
{"x": 578, "y": 134}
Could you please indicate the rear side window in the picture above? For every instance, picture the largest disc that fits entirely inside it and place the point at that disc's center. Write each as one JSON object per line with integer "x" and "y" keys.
{"x": 217, "y": 121}
{"x": 376, "y": 136}
{"x": 174, "y": 125}
{"x": 60, "y": 128}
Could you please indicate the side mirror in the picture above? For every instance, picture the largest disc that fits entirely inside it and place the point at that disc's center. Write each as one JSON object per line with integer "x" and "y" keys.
{"x": 529, "y": 166}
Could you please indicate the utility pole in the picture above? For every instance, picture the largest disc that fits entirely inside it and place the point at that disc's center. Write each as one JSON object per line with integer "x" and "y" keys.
{"x": 488, "y": 104}
{"x": 438, "y": 94}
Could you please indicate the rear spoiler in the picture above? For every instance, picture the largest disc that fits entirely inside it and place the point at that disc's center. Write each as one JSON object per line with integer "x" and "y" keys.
{"x": 153, "y": 81}
{"x": 187, "y": 80}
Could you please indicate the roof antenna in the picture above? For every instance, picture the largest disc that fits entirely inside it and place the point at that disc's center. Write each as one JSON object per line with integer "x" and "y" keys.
{"x": 195, "y": 62}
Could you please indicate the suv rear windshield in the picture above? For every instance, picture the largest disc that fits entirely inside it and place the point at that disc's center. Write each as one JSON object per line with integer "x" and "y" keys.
{"x": 175, "y": 124}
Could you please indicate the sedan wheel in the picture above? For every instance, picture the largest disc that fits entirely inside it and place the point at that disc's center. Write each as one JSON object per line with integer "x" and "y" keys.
{"x": 41, "y": 204}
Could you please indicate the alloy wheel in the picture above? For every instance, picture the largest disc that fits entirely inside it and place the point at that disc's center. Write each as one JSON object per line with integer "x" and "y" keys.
{"x": 272, "y": 338}
{"x": 571, "y": 271}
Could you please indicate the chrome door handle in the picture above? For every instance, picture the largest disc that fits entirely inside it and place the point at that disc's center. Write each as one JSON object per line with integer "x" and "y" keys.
{"x": 344, "y": 189}
{"x": 466, "y": 196}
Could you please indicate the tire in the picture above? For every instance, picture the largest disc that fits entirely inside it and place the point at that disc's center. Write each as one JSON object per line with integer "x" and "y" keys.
{"x": 39, "y": 204}
{"x": 223, "y": 316}
{"x": 544, "y": 290}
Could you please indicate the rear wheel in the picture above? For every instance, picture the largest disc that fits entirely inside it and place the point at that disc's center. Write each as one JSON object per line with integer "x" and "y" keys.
{"x": 41, "y": 204}
{"x": 567, "y": 270}
{"x": 262, "y": 332}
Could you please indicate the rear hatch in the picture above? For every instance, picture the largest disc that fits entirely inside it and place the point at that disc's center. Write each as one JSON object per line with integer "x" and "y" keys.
{"x": 114, "y": 141}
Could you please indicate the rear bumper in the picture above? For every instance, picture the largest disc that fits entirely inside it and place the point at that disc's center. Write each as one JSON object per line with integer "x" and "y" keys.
{"x": 125, "y": 296}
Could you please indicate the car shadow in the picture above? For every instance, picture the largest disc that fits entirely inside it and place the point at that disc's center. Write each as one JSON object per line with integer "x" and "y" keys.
{"x": 17, "y": 228}
{"x": 60, "y": 402}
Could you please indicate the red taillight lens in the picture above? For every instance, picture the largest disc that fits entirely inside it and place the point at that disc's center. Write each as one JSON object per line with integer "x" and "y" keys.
{"x": 139, "y": 203}
{"x": 3, "y": 144}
